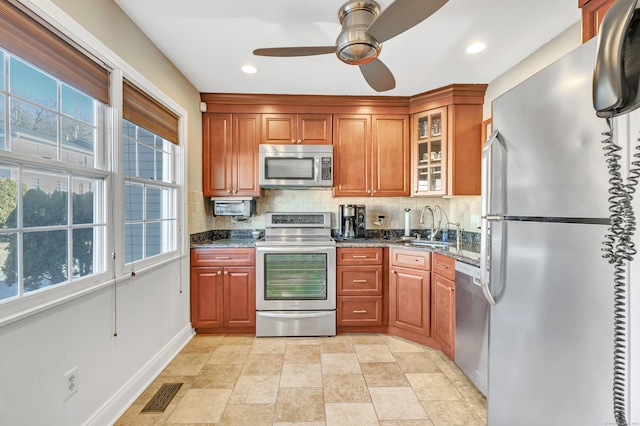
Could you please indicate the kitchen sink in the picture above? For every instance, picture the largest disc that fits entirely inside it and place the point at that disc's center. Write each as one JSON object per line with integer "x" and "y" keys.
{"x": 427, "y": 243}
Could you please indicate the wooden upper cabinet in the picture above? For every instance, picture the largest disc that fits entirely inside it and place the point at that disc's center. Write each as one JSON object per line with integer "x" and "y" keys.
{"x": 351, "y": 155}
{"x": 391, "y": 153}
{"x": 230, "y": 155}
{"x": 371, "y": 155}
{"x": 310, "y": 129}
{"x": 592, "y": 13}
{"x": 446, "y": 141}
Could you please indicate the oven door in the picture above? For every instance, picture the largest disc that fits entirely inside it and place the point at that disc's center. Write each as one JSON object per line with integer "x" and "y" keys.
{"x": 295, "y": 278}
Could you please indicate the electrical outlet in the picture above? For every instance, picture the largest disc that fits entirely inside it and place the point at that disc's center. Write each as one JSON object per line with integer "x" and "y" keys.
{"x": 70, "y": 382}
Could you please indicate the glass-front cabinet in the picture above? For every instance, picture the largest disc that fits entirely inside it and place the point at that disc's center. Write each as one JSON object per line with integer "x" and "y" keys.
{"x": 429, "y": 152}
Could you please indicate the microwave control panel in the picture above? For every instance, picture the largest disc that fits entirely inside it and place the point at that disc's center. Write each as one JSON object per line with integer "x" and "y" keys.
{"x": 326, "y": 168}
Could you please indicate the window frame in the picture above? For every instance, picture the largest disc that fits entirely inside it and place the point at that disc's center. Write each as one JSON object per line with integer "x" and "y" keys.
{"x": 116, "y": 271}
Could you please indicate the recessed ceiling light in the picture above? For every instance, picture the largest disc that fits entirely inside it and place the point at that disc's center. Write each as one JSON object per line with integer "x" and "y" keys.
{"x": 476, "y": 47}
{"x": 249, "y": 69}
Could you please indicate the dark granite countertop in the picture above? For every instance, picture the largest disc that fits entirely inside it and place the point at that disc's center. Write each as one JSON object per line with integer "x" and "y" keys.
{"x": 226, "y": 242}
{"x": 468, "y": 252}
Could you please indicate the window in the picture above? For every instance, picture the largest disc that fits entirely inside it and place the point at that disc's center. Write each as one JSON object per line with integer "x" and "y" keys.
{"x": 150, "y": 193}
{"x": 48, "y": 236}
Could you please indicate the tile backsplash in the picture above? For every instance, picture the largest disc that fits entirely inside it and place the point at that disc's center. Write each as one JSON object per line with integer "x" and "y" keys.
{"x": 465, "y": 210}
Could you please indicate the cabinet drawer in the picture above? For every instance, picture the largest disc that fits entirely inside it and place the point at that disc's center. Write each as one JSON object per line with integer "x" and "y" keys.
{"x": 359, "y": 280}
{"x": 444, "y": 266}
{"x": 359, "y": 310}
{"x": 223, "y": 257}
{"x": 411, "y": 259}
{"x": 359, "y": 256}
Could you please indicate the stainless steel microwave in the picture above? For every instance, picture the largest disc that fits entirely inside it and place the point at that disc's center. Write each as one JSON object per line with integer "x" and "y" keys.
{"x": 296, "y": 166}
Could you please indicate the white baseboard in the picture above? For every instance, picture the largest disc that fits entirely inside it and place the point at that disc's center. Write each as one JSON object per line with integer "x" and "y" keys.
{"x": 115, "y": 407}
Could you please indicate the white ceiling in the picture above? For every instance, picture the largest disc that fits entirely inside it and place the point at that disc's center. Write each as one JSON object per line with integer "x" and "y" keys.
{"x": 209, "y": 40}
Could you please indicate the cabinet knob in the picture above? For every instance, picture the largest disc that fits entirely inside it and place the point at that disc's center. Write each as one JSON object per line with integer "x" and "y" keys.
{"x": 234, "y": 191}
{"x": 368, "y": 191}
{"x": 393, "y": 271}
{"x": 299, "y": 141}
{"x": 226, "y": 273}
{"x": 293, "y": 141}
{"x": 450, "y": 288}
{"x": 219, "y": 272}
{"x": 228, "y": 191}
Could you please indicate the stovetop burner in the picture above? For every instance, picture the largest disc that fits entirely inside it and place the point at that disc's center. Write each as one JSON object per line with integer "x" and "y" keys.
{"x": 297, "y": 229}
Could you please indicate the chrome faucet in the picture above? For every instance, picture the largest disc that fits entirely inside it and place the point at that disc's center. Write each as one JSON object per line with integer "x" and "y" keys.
{"x": 433, "y": 221}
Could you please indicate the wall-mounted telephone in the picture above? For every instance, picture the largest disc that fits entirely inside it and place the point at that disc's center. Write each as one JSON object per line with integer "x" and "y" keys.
{"x": 616, "y": 83}
{"x": 617, "y": 71}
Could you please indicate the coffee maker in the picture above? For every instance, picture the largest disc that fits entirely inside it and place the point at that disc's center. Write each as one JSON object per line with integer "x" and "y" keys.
{"x": 352, "y": 221}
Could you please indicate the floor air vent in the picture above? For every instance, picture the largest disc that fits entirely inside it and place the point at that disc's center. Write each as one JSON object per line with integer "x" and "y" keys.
{"x": 162, "y": 398}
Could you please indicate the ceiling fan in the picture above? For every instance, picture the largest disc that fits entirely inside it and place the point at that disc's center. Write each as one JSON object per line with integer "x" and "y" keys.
{"x": 364, "y": 29}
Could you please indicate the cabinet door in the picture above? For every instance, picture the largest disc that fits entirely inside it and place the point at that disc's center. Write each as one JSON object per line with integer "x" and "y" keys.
{"x": 352, "y": 155}
{"x": 444, "y": 302}
{"x": 246, "y": 137}
{"x": 216, "y": 155}
{"x": 239, "y": 297}
{"x": 410, "y": 300}
{"x": 279, "y": 129}
{"x": 315, "y": 129}
{"x": 207, "y": 297}
{"x": 391, "y": 156}
{"x": 429, "y": 157}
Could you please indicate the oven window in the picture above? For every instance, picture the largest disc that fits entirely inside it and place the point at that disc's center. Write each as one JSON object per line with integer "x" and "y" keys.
{"x": 295, "y": 276}
{"x": 289, "y": 168}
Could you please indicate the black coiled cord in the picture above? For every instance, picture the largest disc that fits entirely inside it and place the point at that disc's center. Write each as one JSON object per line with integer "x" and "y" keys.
{"x": 619, "y": 249}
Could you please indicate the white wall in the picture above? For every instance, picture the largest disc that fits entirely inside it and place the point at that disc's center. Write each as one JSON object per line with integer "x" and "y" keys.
{"x": 149, "y": 311}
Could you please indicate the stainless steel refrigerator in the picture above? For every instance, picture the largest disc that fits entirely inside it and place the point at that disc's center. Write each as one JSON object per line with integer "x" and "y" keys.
{"x": 545, "y": 216}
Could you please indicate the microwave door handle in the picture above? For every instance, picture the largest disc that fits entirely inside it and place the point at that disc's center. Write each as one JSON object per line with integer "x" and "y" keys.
{"x": 317, "y": 169}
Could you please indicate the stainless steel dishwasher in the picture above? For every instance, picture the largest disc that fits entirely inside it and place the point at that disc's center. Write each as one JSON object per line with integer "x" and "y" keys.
{"x": 472, "y": 325}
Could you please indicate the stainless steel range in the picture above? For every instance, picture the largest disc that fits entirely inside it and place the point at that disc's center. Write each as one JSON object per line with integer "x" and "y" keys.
{"x": 296, "y": 276}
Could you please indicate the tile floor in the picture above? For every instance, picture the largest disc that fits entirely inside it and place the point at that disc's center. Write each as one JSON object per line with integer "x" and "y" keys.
{"x": 357, "y": 379}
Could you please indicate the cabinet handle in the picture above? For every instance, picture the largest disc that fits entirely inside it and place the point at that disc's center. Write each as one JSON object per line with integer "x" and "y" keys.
{"x": 223, "y": 257}
{"x": 440, "y": 265}
{"x": 360, "y": 312}
{"x": 359, "y": 256}
{"x": 226, "y": 273}
{"x": 359, "y": 281}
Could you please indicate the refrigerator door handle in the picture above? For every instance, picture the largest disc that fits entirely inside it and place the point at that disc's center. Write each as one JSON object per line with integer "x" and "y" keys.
{"x": 485, "y": 208}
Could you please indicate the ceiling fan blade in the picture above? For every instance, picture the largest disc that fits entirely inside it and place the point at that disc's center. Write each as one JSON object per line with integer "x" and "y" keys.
{"x": 295, "y": 51}
{"x": 402, "y": 15}
{"x": 378, "y": 76}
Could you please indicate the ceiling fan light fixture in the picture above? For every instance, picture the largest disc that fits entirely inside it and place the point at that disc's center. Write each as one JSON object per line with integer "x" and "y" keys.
{"x": 355, "y": 46}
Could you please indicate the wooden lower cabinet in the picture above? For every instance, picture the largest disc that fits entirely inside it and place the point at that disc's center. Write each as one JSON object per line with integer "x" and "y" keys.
{"x": 360, "y": 289}
{"x": 359, "y": 310}
{"x": 223, "y": 298}
{"x": 443, "y": 293}
{"x": 410, "y": 295}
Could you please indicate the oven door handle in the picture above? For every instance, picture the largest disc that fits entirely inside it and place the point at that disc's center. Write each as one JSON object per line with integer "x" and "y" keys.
{"x": 296, "y": 315}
